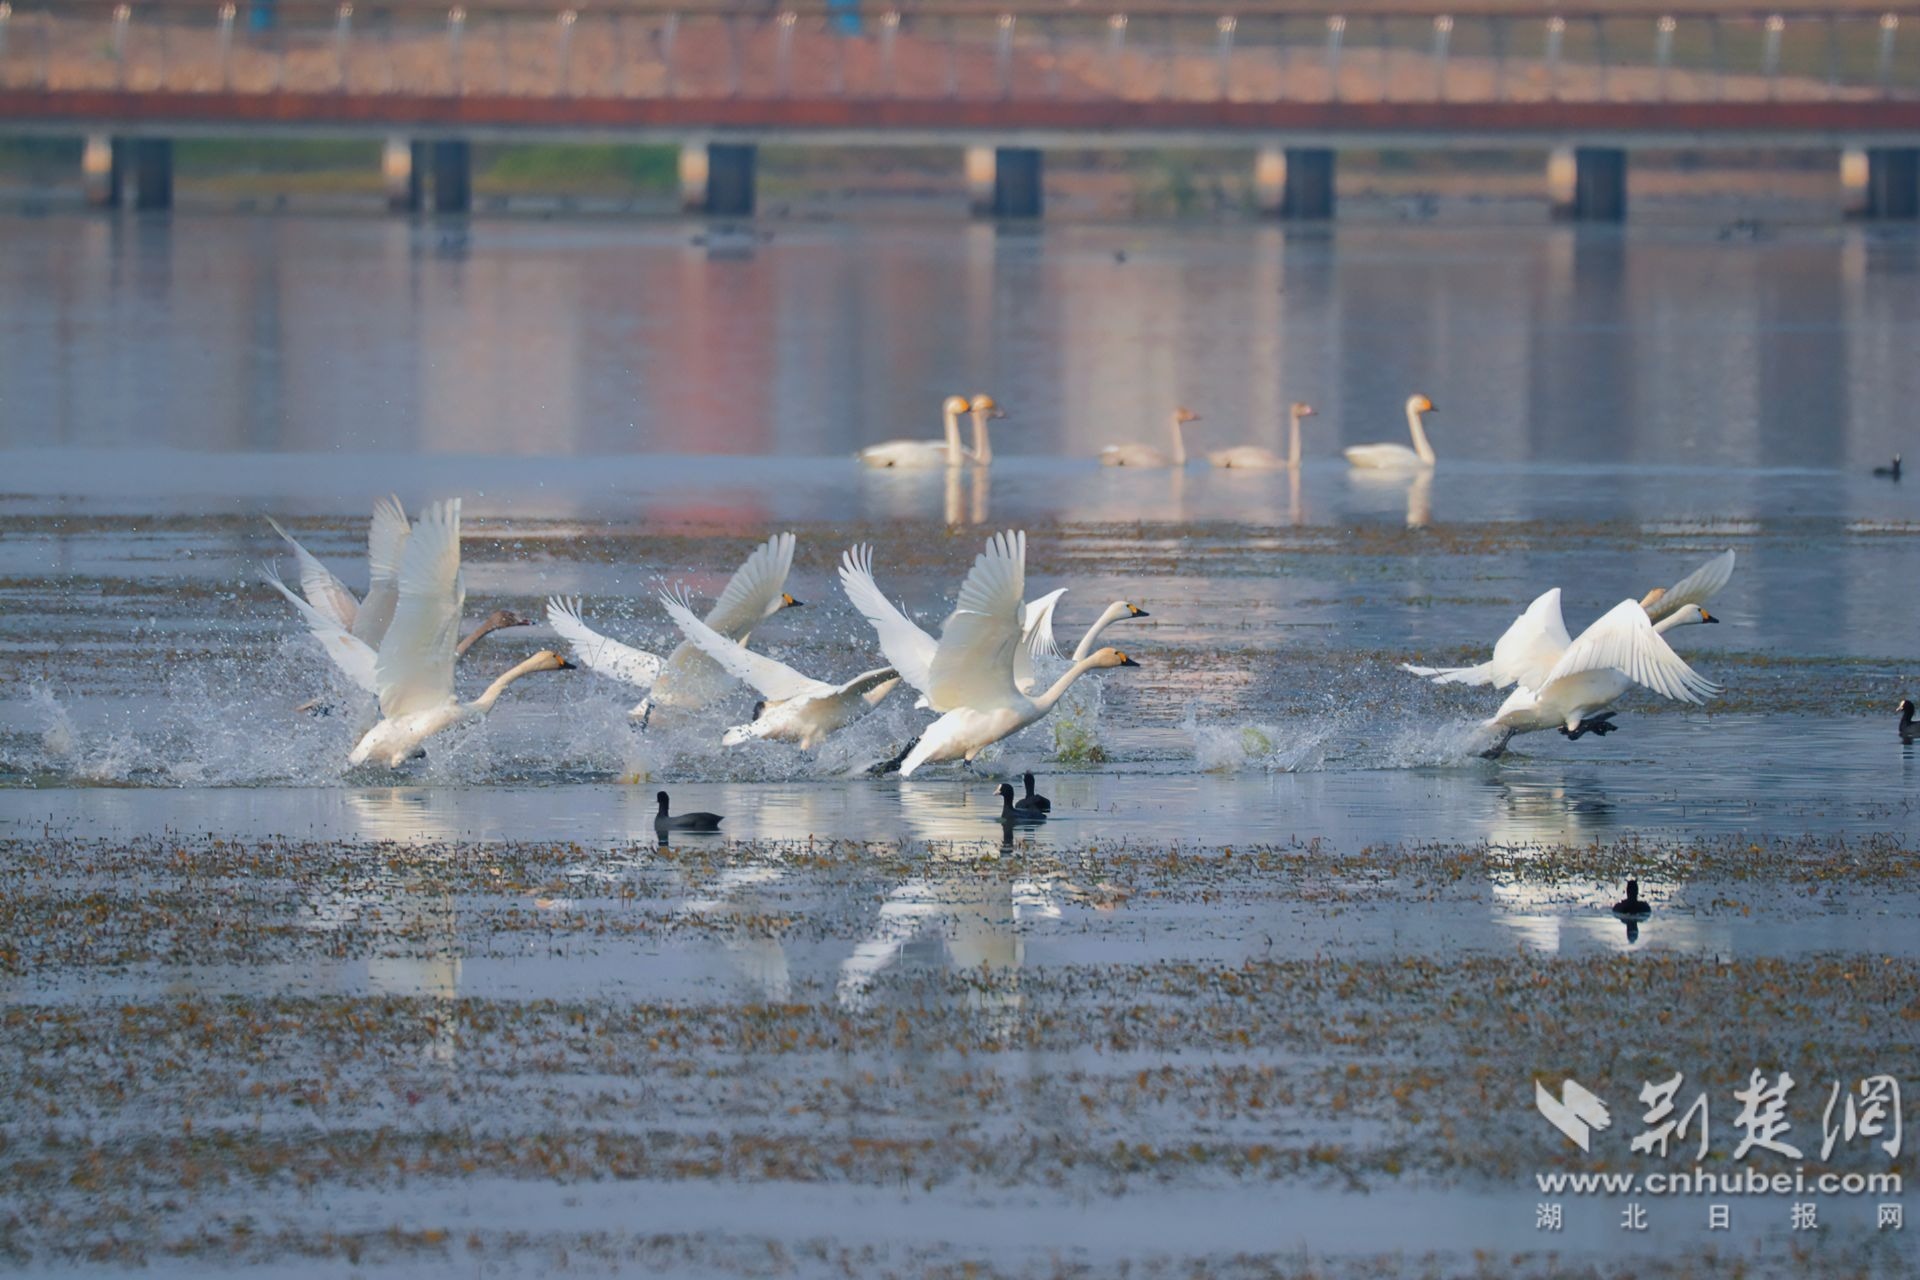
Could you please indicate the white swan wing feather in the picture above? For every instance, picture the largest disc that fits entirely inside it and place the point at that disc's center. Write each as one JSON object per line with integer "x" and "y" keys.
{"x": 598, "y": 652}
{"x": 414, "y": 668}
{"x": 754, "y": 587}
{"x": 907, "y": 647}
{"x": 1623, "y": 640}
{"x": 1523, "y": 654}
{"x": 973, "y": 665}
{"x": 775, "y": 680}
{"x": 323, "y": 591}
{"x": 387, "y": 537}
{"x": 1696, "y": 588}
{"x": 352, "y": 655}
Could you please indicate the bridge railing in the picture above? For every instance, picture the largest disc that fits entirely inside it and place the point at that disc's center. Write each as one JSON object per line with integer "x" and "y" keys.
{"x": 1187, "y": 52}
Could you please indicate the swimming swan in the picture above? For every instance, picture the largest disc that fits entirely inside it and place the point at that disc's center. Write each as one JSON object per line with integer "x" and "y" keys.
{"x": 1256, "y": 457}
{"x": 794, "y": 707}
{"x": 922, "y": 454}
{"x": 1398, "y": 456}
{"x": 413, "y": 672}
{"x": 972, "y": 669}
{"x": 1145, "y": 455}
{"x": 909, "y": 649}
{"x": 687, "y": 677}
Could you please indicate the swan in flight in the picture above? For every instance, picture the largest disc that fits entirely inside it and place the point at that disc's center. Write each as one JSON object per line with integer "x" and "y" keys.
{"x": 909, "y": 649}
{"x": 1623, "y": 648}
{"x": 687, "y": 677}
{"x": 1536, "y": 639}
{"x": 1146, "y": 455}
{"x": 1392, "y": 457}
{"x": 972, "y": 670}
{"x": 982, "y": 407}
{"x": 922, "y": 454}
{"x": 793, "y": 707}
{"x": 413, "y": 671}
{"x": 1256, "y": 457}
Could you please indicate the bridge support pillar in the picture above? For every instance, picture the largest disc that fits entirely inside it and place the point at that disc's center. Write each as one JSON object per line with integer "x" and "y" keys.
{"x": 717, "y": 178}
{"x": 452, "y": 161}
{"x": 150, "y": 160}
{"x": 1882, "y": 182}
{"x": 403, "y": 166}
{"x": 1294, "y": 182}
{"x": 1005, "y": 182}
{"x": 1588, "y": 184}
{"x": 102, "y": 165}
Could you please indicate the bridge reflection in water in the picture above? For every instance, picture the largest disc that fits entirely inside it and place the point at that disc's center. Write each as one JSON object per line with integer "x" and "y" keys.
{"x": 1004, "y": 83}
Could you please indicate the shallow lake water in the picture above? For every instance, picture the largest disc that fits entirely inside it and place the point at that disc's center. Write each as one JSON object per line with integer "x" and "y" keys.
{"x": 624, "y": 408}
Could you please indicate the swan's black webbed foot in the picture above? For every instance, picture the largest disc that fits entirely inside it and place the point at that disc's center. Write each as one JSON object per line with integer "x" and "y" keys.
{"x": 1498, "y": 749}
{"x": 893, "y": 765}
{"x": 1599, "y": 726}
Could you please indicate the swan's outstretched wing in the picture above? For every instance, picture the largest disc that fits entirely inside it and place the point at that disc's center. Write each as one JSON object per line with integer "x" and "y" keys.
{"x": 1624, "y": 640}
{"x": 867, "y": 681}
{"x": 973, "y": 667}
{"x": 601, "y": 653}
{"x": 386, "y": 543}
{"x": 323, "y": 591}
{"x": 1523, "y": 655}
{"x": 414, "y": 670}
{"x": 906, "y": 646}
{"x": 349, "y": 653}
{"x": 776, "y": 681}
{"x": 753, "y": 588}
{"x": 1036, "y": 635}
{"x": 1696, "y": 588}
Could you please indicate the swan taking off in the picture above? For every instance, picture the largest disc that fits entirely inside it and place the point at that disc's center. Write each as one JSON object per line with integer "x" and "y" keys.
{"x": 687, "y": 678}
{"x": 366, "y": 619}
{"x": 413, "y": 672}
{"x": 1145, "y": 455}
{"x": 909, "y": 649}
{"x": 1256, "y": 457}
{"x": 922, "y": 454}
{"x": 972, "y": 669}
{"x": 794, "y": 707}
{"x": 1392, "y": 457}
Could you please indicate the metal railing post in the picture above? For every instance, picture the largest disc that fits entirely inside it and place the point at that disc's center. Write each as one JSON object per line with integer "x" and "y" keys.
{"x": 669, "y": 38}
{"x": 563, "y": 54}
{"x": 1770, "y": 55}
{"x": 1601, "y": 55}
{"x": 889, "y": 35}
{"x": 342, "y": 34}
{"x": 456, "y": 32}
{"x": 1663, "y": 55}
{"x": 783, "y": 52}
{"x": 1442, "y": 39}
{"x": 1889, "y": 24}
{"x": 1497, "y": 34}
{"x": 1003, "y": 54}
{"x": 122, "y": 16}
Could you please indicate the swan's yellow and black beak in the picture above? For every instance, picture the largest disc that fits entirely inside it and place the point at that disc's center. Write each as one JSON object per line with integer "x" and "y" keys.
{"x": 1135, "y": 611}
{"x": 788, "y": 602}
{"x": 1125, "y": 661}
{"x": 1707, "y": 617}
{"x": 566, "y": 666}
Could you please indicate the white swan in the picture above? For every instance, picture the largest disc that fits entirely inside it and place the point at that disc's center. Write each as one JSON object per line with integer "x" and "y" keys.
{"x": 413, "y": 672}
{"x": 909, "y": 649}
{"x": 1623, "y": 648}
{"x": 1398, "y": 456}
{"x": 972, "y": 669}
{"x": 793, "y": 707}
{"x": 687, "y": 678}
{"x": 1146, "y": 455}
{"x": 921, "y": 454}
{"x": 1037, "y": 634}
{"x": 1528, "y": 648}
{"x": 366, "y": 619}
{"x": 982, "y": 407}
{"x": 1256, "y": 457}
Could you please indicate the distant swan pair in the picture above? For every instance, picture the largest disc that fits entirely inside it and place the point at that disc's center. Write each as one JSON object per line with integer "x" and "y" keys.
{"x": 1246, "y": 457}
{"x": 947, "y": 451}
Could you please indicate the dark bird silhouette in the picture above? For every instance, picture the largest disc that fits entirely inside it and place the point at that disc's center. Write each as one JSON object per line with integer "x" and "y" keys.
{"x": 1032, "y": 802}
{"x": 1009, "y": 813}
{"x": 1892, "y": 471}
{"x": 1633, "y": 906}
{"x": 1909, "y": 731}
{"x": 663, "y": 821}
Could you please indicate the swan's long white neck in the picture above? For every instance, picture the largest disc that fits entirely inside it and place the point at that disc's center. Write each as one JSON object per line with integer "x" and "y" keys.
{"x": 1059, "y": 690}
{"x": 1115, "y": 611}
{"x": 982, "y": 448}
{"x": 1293, "y": 439}
{"x": 484, "y": 703}
{"x": 1179, "y": 442}
{"x": 955, "y": 453}
{"x": 1677, "y": 619}
{"x": 1419, "y": 430}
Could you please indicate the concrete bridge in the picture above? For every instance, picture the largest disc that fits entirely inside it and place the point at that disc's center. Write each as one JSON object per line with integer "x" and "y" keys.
{"x": 1003, "y": 83}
